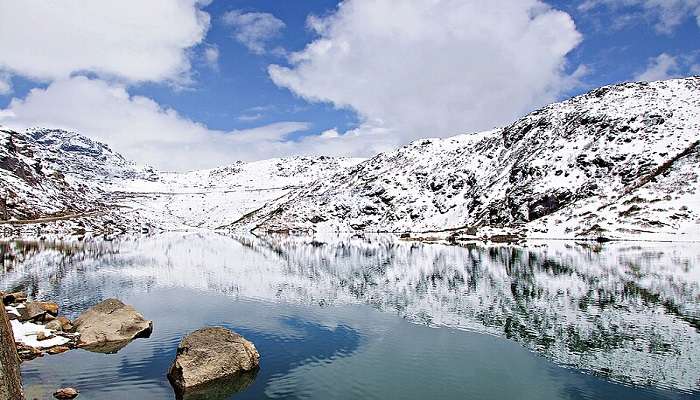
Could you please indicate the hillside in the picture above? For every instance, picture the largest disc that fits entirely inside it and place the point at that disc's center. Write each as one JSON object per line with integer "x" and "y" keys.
{"x": 212, "y": 198}
{"x": 620, "y": 161}
{"x": 54, "y": 172}
{"x": 59, "y": 181}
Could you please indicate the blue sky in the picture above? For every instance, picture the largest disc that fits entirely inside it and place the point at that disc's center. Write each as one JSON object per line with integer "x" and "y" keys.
{"x": 237, "y": 95}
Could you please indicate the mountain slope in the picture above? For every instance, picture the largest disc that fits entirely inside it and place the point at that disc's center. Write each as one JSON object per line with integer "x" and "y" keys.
{"x": 220, "y": 196}
{"x": 53, "y": 172}
{"x": 571, "y": 169}
{"x": 61, "y": 181}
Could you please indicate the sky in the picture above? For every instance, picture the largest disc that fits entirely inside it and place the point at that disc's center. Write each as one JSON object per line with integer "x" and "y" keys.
{"x": 189, "y": 84}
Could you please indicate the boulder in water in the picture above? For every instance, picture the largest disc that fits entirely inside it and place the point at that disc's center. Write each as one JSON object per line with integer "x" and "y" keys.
{"x": 213, "y": 356}
{"x": 66, "y": 393}
{"x": 109, "y": 326}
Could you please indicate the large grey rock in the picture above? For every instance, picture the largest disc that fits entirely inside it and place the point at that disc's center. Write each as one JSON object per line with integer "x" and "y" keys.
{"x": 213, "y": 356}
{"x": 109, "y": 326}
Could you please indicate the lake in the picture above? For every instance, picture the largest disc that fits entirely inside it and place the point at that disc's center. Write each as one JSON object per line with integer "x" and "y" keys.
{"x": 375, "y": 317}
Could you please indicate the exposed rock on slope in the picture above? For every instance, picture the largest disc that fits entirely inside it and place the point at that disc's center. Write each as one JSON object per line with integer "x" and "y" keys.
{"x": 619, "y": 161}
{"x": 32, "y": 172}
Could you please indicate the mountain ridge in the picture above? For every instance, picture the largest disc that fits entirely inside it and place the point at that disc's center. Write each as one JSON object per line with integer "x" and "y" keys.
{"x": 580, "y": 153}
{"x": 617, "y": 162}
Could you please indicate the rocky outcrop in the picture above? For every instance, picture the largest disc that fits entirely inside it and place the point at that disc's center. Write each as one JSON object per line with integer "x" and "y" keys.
{"x": 4, "y": 215}
{"x": 16, "y": 297}
{"x": 37, "y": 328}
{"x": 213, "y": 358}
{"x": 110, "y": 325}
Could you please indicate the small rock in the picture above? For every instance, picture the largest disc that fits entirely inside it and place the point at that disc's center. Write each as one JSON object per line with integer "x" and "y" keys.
{"x": 60, "y": 324}
{"x": 31, "y": 311}
{"x": 43, "y": 336}
{"x": 51, "y": 308}
{"x": 27, "y": 353}
{"x": 212, "y": 355}
{"x": 66, "y": 393}
{"x": 54, "y": 325}
{"x": 110, "y": 325}
{"x": 16, "y": 297}
{"x": 58, "y": 349}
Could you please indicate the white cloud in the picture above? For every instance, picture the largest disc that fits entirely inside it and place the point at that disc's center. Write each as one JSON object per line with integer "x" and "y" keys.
{"x": 132, "y": 40}
{"x": 5, "y": 83}
{"x": 254, "y": 30}
{"x": 211, "y": 56}
{"x": 141, "y": 129}
{"x": 667, "y": 66}
{"x": 661, "y": 67}
{"x": 420, "y": 68}
{"x": 666, "y": 14}
{"x": 250, "y": 117}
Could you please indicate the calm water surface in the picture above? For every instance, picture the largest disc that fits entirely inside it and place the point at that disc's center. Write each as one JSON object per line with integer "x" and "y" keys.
{"x": 375, "y": 318}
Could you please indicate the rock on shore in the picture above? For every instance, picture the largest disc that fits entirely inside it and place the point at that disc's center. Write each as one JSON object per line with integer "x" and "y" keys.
{"x": 66, "y": 393}
{"x": 110, "y": 325}
{"x": 212, "y": 355}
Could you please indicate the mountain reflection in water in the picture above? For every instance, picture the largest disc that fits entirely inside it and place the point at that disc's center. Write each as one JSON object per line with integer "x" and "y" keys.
{"x": 627, "y": 311}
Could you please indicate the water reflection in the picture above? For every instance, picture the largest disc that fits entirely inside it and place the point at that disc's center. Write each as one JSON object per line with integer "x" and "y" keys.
{"x": 624, "y": 311}
{"x": 220, "y": 390}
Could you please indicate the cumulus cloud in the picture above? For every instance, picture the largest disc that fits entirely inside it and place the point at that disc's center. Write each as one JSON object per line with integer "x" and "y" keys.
{"x": 666, "y": 14}
{"x": 253, "y": 29}
{"x": 661, "y": 67}
{"x": 143, "y": 130}
{"x": 132, "y": 40}
{"x": 420, "y": 68}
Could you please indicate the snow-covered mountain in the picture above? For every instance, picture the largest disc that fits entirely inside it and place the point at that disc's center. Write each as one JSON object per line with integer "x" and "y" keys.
{"x": 54, "y": 172}
{"x": 62, "y": 181}
{"x": 620, "y": 161}
{"x": 216, "y": 197}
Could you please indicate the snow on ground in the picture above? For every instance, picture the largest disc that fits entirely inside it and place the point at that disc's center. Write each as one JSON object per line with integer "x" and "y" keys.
{"x": 213, "y": 198}
{"x": 26, "y": 333}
